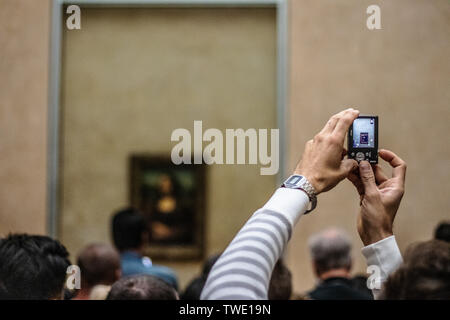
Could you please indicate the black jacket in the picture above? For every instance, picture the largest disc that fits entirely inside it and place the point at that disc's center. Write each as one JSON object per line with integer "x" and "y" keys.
{"x": 338, "y": 289}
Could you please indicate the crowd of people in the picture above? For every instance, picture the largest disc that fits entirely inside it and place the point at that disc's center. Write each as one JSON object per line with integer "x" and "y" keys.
{"x": 252, "y": 266}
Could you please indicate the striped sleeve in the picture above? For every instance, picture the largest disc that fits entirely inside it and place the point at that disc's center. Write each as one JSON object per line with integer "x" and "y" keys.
{"x": 243, "y": 271}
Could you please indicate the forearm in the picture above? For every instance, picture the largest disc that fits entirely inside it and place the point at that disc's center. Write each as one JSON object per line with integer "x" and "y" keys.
{"x": 384, "y": 258}
{"x": 243, "y": 271}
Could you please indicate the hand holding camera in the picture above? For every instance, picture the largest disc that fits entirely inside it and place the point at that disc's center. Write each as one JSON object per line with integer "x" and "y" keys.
{"x": 380, "y": 197}
{"x": 322, "y": 161}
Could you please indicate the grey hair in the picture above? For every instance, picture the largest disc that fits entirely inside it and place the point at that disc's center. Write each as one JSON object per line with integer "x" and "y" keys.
{"x": 330, "y": 249}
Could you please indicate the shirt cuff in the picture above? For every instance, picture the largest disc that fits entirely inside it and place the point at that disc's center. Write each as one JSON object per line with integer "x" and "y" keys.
{"x": 292, "y": 203}
{"x": 385, "y": 254}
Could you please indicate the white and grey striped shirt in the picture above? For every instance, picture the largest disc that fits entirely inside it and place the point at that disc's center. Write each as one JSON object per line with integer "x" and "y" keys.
{"x": 243, "y": 271}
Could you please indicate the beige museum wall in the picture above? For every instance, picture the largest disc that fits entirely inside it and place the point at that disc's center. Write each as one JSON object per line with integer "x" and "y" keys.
{"x": 400, "y": 73}
{"x": 24, "y": 43}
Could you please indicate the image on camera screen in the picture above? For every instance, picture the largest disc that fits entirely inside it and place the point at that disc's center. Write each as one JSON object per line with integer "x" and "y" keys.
{"x": 363, "y": 133}
{"x": 364, "y": 138}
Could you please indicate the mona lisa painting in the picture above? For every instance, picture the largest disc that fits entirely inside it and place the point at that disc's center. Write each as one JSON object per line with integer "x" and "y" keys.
{"x": 171, "y": 198}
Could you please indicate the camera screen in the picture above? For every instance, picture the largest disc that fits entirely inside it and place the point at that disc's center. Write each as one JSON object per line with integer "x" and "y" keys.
{"x": 364, "y": 133}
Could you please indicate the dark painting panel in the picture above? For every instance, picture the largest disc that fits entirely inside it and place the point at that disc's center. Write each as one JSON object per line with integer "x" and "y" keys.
{"x": 171, "y": 198}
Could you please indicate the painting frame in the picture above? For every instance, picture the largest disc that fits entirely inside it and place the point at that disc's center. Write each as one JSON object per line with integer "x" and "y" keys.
{"x": 138, "y": 165}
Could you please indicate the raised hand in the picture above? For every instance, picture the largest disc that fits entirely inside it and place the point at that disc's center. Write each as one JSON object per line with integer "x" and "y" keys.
{"x": 380, "y": 197}
{"x": 322, "y": 161}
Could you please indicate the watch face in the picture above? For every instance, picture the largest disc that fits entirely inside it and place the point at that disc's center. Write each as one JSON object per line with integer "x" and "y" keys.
{"x": 293, "y": 181}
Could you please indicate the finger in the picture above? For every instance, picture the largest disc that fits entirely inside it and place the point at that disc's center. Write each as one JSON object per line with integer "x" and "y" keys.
{"x": 347, "y": 166}
{"x": 345, "y": 120}
{"x": 344, "y": 153}
{"x": 330, "y": 125}
{"x": 398, "y": 165}
{"x": 367, "y": 178}
{"x": 354, "y": 178}
{"x": 380, "y": 176}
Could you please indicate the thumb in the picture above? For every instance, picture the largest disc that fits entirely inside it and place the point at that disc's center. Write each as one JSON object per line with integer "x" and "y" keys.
{"x": 367, "y": 177}
{"x": 347, "y": 166}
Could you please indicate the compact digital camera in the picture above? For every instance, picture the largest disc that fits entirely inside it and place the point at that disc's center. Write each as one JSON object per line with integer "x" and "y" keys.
{"x": 363, "y": 139}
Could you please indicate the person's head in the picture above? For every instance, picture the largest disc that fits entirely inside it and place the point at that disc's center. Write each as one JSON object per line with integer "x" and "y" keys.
{"x": 195, "y": 287}
{"x": 99, "y": 292}
{"x": 141, "y": 287}
{"x": 331, "y": 253}
{"x": 424, "y": 274}
{"x": 209, "y": 263}
{"x": 442, "y": 231}
{"x": 32, "y": 267}
{"x": 280, "y": 287}
{"x": 99, "y": 264}
{"x": 128, "y": 229}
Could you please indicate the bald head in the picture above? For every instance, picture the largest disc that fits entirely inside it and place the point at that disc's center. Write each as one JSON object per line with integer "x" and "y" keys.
{"x": 330, "y": 249}
{"x": 99, "y": 264}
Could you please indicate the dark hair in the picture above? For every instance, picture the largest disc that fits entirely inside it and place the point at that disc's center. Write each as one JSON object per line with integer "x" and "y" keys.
{"x": 194, "y": 289}
{"x": 209, "y": 263}
{"x": 98, "y": 264}
{"x": 128, "y": 225}
{"x": 442, "y": 231}
{"x": 280, "y": 287}
{"x": 425, "y": 273}
{"x": 141, "y": 287}
{"x": 32, "y": 267}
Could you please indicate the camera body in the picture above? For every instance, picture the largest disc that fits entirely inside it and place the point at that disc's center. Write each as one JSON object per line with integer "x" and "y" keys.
{"x": 363, "y": 139}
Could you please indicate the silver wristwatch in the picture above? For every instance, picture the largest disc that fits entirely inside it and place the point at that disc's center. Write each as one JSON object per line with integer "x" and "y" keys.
{"x": 300, "y": 182}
